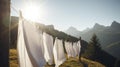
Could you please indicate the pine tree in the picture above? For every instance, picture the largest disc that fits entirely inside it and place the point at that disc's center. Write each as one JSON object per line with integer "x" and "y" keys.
{"x": 93, "y": 48}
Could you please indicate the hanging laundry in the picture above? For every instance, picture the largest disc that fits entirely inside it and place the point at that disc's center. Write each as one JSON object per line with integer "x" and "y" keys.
{"x": 30, "y": 45}
{"x": 75, "y": 49}
{"x": 48, "y": 46}
{"x": 67, "y": 48}
{"x": 24, "y": 60}
{"x": 58, "y": 50}
{"x": 79, "y": 47}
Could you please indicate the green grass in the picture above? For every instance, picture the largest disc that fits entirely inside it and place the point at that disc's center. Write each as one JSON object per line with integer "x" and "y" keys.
{"x": 71, "y": 62}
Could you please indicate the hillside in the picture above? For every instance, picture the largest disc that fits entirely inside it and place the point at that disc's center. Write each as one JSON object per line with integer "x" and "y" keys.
{"x": 45, "y": 28}
{"x": 113, "y": 49}
{"x": 107, "y": 35}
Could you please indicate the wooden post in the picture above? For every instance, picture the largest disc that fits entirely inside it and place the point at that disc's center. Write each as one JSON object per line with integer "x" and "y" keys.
{"x": 80, "y": 51}
{"x": 4, "y": 32}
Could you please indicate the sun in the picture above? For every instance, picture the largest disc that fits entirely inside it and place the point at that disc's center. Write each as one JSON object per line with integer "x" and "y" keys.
{"x": 32, "y": 12}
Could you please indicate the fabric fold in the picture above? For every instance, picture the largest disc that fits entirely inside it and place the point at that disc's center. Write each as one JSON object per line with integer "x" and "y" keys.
{"x": 75, "y": 49}
{"x": 58, "y": 50}
{"x": 48, "y": 46}
{"x": 30, "y": 45}
{"x": 79, "y": 47}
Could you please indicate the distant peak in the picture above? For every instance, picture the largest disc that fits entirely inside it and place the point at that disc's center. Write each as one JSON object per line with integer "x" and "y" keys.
{"x": 96, "y": 25}
{"x": 73, "y": 28}
{"x": 115, "y": 24}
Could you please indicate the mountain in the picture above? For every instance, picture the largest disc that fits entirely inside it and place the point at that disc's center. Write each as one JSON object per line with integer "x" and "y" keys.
{"x": 115, "y": 26}
{"x": 98, "y": 27}
{"x": 73, "y": 31}
{"x": 107, "y": 35}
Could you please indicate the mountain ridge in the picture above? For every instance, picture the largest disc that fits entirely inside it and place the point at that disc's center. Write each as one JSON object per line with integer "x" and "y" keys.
{"x": 106, "y": 35}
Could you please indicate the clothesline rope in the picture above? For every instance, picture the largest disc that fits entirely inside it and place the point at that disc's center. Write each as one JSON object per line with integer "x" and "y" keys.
{"x": 25, "y": 59}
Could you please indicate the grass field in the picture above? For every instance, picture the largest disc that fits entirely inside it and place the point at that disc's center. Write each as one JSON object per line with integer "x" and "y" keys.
{"x": 13, "y": 58}
{"x": 71, "y": 62}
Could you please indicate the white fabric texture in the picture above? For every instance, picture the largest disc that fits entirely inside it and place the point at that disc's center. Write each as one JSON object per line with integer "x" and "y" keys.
{"x": 67, "y": 49}
{"x": 48, "y": 46}
{"x": 58, "y": 50}
{"x": 75, "y": 49}
{"x": 21, "y": 48}
{"x": 79, "y": 47}
{"x": 72, "y": 50}
{"x": 30, "y": 45}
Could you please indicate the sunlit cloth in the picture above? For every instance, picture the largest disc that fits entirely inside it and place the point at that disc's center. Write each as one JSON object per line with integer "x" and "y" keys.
{"x": 75, "y": 49}
{"x": 67, "y": 48}
{"x": 30, "y": 45}
{"x": 24, "y": 60}
{"x": 71, "y": 50}
{"x": 48, "y": 46}
{"x": 58, "y": 50}
{"x": 79, "y": 47}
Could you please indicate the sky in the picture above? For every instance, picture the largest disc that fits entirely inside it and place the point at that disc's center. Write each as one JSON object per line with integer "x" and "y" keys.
{"x": 80, "y": 14}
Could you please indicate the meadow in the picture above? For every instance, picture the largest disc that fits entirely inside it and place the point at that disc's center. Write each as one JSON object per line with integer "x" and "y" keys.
{"x": 70, "y": 62}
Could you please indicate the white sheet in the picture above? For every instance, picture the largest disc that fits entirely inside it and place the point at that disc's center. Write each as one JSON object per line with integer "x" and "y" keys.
{"x": 30, "y": 45}
{"x": 48, "y": 46}
{"x": 75, "y": 49}
{"x": 79, "y": 47}
{"x": 69, "y": 51}
{"x": 67, "y": 48}
{"x": 72, "y": 50}
{"x": 24, "y": 60}
{"x": 58, "y": 50}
